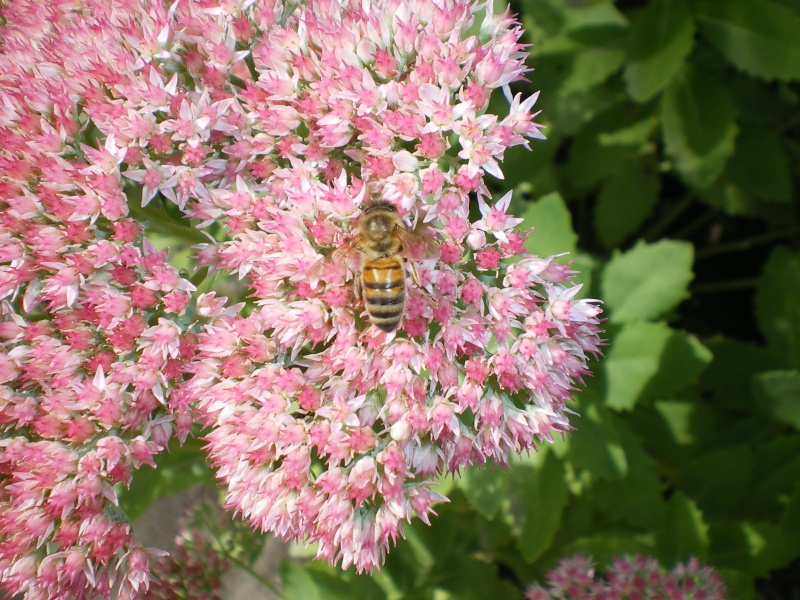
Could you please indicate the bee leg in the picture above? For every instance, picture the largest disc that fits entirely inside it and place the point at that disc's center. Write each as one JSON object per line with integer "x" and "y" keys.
{"x": 414, "y": 274}
{"x": 358, "y": 289}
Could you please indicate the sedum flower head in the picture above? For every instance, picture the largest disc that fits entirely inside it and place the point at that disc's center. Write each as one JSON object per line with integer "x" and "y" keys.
{"x": 629, "y": 578}
{"x": 323, "y": 427}
{"x": 270, "y": 125}
{"x": 91, "y": 315}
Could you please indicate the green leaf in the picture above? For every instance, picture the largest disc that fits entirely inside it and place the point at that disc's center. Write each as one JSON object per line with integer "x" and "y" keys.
{"x": 594, "y": 22}
{"x": 683, "y": 533}
{"x": 648, "y": 281}
{"x": 758, "y": 37}
{"x": 610, "y": 544}
{"x": 467, "y": 577}
{"x": 778, "y": 303}
{"x": 614, "y": 138}
{"x": 316, "y": 581}
{"x": 683, "y": 360}
{"x": 485, "y": 489}
{"x": 699, "y": 126}
{"x": 591, "y": 68}
{"x": 637, "y": 498}
{"x": 633, "y": 360}
{"x": 595, "y": 446}
{"x": 760, "y": 166}
{"x": 297, "y": 582}
{"x": 625, "y": 201}
{"x": 686, "y": 422}
{"x": 537, "y": 499}
{"x": 739, "y": 585}
{"x": 661, "y": 38}
{"x": 729, "y": 469}
{"x": 653, "y": 361}
{"x": 778, "y": 469}
{"x": 753, "y": 547}
{"x": 778, "y": 394}
{"x": 552, "y": 225}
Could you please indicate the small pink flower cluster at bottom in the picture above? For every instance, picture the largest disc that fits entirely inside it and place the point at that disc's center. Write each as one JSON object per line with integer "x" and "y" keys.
{"x": 629, "y": 578}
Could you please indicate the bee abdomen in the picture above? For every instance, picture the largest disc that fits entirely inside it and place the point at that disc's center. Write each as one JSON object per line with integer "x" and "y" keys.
{"x": 383, "y": 283}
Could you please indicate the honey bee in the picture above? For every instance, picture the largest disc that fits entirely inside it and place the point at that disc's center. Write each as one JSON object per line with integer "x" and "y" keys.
{"x": 382, "y": 247}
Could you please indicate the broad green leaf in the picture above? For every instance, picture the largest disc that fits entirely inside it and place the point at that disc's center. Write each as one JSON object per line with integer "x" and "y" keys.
{"x": 485, "y": 489}
{"x": 591, "y": 67}
{"x": 610, "y": 544}
{"x": 467, "y": 577}
{"x": 739, "y": 585}
{"x": 625, "y": 201}
{"x": 687, "y": 422}
{"x": 650, "y": 360}
{"x": 753, "y": 547}
{"x": 637, "y": 498}
{"x": 318, "y": 581}
{"x": 778, "y": 394}
{"x": 758, "y": 37}
{"x": 594, "y": 21}
{"x": 648, "y": 281}
{"x": 683, "y": 360}
{"x": 614, "y": 138}
{"x": 541, "y": 19}
{"x": 632, "y": 361}
{"x": 552, "y": 223}
{"x": 298, "y": 584}
{"x": 699, "y": 126}
{"x": 778, "y": 303}
{"x": 537, "y": 498}
{"x": 761, "y": 166}
{"x": 683, "y": 533}
{"x": 595, "y": 446}
{"x": 661, "y": 38}
{"x": 778, "y": 469}
{"x": 410, "y": 562}
{"x": 729, "y": 469}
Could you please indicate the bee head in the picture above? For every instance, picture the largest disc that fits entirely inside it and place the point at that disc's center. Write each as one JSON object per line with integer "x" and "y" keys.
{"x": 379, "y": 220}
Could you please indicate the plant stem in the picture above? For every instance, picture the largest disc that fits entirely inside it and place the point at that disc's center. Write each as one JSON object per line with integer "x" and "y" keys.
{"x": 747, "y": 244}
{"x": 260, "y": 578}
{"x": 657, "y": 229}
{"x": 717, "y": 287}
{"x": 690, "y": 228}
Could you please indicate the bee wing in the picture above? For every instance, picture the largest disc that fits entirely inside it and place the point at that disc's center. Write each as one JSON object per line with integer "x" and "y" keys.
{"x": 342, "y": 257}
{"x": 419, "y": 244}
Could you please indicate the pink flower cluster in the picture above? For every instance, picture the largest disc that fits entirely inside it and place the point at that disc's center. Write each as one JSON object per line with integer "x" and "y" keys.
{"x": 323, "y": 427}
{"x": 270, "y": 124}
{"x": 629, "y": 578}
{"x": 90, "y": 314}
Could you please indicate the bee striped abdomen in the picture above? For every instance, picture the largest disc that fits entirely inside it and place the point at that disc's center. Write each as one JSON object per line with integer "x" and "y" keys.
{"x": 384, "y": 289}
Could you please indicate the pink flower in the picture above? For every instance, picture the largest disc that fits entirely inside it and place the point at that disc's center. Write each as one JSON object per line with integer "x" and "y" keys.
{"x": 478, "y": 369}
{"x": 629, "y": 578}
{"x": 278, "y": 126}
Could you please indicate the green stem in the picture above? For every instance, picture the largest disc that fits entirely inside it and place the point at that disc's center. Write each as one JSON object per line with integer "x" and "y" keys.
{"x": 690, "y": 228}
{"x": 261, "y": 579}
{"x": 746, "y": 244}
{"x": 719, "y": 287}
{"x": 160, "y": 222}
{"x": 657, "y": 229}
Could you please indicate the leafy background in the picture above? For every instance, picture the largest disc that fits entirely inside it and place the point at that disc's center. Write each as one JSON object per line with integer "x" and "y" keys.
{"x": 669, "y": 175}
